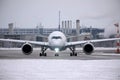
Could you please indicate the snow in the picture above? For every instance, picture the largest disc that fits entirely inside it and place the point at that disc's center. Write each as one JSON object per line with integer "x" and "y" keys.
{"x": 52, "y": 69}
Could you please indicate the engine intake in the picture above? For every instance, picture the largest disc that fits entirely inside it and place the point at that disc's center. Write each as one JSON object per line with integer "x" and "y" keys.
{"x": 88, "y": 48}
{"x": 27, "y": 49}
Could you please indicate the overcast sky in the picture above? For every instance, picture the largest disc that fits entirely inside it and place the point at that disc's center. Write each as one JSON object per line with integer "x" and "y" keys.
{"x": 30, "y": 13}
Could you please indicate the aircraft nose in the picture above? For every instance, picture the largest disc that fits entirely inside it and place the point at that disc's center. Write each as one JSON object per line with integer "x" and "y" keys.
{"x": 57, "y": 43}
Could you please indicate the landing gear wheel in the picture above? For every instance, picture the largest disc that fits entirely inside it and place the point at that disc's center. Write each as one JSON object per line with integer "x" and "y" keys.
{"x": 40, "y": 54}
{"x": 72, "y": 48}
{"x": 45, "y": 54}
{"x": 43, "y": 49}
{"x": 56, "y": 54}
{"x": 71, "y": 54}
{"x": 75, "y": 54}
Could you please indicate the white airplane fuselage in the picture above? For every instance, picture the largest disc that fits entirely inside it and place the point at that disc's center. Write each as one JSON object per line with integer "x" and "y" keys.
{"x": 57, "y": 41}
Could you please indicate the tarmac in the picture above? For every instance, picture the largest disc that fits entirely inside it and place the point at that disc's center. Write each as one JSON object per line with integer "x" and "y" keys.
{"x": 16, "y": 53}
{"x": 14, "y": 65}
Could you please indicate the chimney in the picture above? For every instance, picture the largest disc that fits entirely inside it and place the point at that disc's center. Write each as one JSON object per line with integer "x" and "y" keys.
{"x": 70, "y": 26}
{"x": 63, "y": 26}
{"x": 10, "y": 28}
{"x": 78, "y": 29}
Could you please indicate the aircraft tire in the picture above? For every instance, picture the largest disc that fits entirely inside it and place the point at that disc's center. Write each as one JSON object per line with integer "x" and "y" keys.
{"x": 45, "y": 54}
{"x": 56, "y": 54}
{"x": 71, "y": 54}
{"x": 40, "y": 54}
{"x": 75, "y": 54}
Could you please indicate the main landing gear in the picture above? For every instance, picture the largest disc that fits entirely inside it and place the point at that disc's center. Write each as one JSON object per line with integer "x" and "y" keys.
{"x": 43, "y": 49}
{"x": 73, "y": 51}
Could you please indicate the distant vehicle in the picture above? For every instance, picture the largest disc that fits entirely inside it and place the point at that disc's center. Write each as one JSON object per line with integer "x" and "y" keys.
{"x": 57, "y": 41}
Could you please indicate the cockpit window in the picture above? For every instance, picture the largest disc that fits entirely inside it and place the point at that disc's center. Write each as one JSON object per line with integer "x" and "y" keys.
{"x": 56, "y": 37}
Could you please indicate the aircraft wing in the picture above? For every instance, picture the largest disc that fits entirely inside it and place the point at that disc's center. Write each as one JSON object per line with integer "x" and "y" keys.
{"x": 105, "y": 49}
{"x": 26, "y": 41}
{"x": 76, "y": 36}
{"x": 42, "y": 36}
{"x": 92, "y": 41}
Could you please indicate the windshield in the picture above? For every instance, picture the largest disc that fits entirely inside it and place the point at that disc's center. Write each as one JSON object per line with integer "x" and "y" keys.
{"x": 56, "y": 37}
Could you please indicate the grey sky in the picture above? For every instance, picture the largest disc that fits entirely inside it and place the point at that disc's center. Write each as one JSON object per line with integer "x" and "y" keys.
{"x": 29, "y": 13}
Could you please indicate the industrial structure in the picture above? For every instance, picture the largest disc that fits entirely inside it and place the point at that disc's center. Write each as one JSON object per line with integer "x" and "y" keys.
{"x": 118, "y": 36}
{"x": 39, "y": 33}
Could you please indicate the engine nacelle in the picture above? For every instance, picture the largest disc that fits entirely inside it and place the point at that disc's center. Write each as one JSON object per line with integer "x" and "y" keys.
{"x": 27, "y": 49}
{"x": 88, "y": 48}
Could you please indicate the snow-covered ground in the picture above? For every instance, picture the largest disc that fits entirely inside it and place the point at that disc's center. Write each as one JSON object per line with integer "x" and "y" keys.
{"x": 48, "y": 69}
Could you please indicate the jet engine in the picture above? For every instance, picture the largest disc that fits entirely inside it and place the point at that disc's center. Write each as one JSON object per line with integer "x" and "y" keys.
{"x": 88, "y": 48}
{"x": 27, "y": 49}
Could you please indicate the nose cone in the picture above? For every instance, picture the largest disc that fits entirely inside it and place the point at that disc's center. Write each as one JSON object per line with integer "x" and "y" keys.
{"x": 57, "y": 43}
{"x": 57, "y": 40}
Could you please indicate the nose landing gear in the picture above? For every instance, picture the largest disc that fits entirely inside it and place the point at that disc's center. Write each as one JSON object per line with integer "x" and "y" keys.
{"x": 56, "y": 54}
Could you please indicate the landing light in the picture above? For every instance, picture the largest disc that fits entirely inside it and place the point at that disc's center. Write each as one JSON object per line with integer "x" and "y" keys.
{"x": 57, "y": 50}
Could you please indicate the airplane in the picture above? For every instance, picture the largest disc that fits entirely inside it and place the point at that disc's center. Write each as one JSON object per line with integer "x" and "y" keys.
{"x": 57, "y": 41}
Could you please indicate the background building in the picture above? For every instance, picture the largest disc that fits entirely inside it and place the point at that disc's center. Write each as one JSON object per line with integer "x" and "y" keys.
{"x": 40, "y": 34}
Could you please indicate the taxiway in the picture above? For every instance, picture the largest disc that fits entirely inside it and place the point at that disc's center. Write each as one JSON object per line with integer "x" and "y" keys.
{"x": 14, "y": 65}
